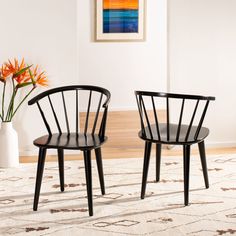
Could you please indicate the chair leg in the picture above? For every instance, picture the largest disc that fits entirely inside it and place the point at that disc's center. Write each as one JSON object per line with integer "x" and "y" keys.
{"x": 158, "y": 161}
{"x": 202, "y": 152}
{"x": 100, "y": 169}
{"x": 61, "y": 167}
{"x": 88, "y": 174}
{"x": 147, "y": 153}
{"x": 186, "y": 173}
{"x": 41, "y": 161}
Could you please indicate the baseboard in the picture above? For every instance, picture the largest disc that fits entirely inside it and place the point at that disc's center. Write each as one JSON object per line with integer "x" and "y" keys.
{"x": 226, "y": 144}
{"x": 34, "y": 152}
{"x": 208, "y": 145}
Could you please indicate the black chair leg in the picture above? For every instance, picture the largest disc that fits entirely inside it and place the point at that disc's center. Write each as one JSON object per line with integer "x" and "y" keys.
{"x": 100, "y": 169}
{"x": 186, "y": 173}
{"x": 202, "y": 152}
{"x": 88, "y": 174}
{"x": 39, "y": 176}
{"x": 61, "y": 167}
{"x": 158, "y": 161}
{"x": 147, "y": 153}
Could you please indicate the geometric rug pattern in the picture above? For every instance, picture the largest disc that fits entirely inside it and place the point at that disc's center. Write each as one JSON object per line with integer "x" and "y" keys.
{"x": 121, "y": 211}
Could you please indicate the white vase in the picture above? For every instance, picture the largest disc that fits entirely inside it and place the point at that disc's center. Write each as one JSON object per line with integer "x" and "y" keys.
{"x": 9, "y": 150}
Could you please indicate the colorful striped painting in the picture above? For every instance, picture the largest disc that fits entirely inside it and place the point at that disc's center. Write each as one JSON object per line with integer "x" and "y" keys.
{"x": 120, "y": 16}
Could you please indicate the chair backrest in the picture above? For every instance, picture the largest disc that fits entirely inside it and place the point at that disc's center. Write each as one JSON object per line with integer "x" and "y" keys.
{"x": 148, "y": 100}
{"x": 88, "y": 106}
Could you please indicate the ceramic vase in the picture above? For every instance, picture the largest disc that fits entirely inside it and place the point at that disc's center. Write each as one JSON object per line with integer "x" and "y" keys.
{"x": 9, "y": 150}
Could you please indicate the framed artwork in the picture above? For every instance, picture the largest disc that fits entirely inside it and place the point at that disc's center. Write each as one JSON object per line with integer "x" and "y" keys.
{"x": 120, "y": 20}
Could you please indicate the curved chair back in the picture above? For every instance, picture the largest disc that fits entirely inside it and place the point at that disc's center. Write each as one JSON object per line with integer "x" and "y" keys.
{"x": 59, "y": 106}
{"x": 148, "y": 101}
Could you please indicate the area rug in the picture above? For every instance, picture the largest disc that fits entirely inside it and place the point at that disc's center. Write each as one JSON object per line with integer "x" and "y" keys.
{"x": 121, "y": 211}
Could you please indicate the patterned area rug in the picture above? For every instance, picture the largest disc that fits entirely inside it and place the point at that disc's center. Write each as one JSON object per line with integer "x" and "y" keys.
{"x": 121, "y": 212}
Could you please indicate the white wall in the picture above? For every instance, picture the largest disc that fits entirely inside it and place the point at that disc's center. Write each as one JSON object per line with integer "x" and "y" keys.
{"x": 44, "y": 32}
{"x": 202, "y": 59}
{"x": 202, "y": 55}
{"x": 127, "y": 66}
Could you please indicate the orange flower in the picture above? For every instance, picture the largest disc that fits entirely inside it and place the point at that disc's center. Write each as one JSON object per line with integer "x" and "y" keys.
{"x": 35, "y": 72}
{"x": 42, "y": 79}
{"x": 38, "y": 78}
{"x": 22, "y": 74}
{"x": 22, "y": 78}
{"x": 4, "y": 72}
{"x": 14, "y": 68}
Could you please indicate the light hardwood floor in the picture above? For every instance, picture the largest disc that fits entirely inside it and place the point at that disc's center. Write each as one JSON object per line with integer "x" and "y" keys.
{"x": 123, "y": 141}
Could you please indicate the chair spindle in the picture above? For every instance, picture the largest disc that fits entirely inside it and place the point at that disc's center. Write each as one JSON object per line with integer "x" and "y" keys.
{"x": 77, "y": 111}
{"x": 180, "y": 120}
{"x": 44, "y": 119}
{"x": 156, "y": 119}
{"x": 97, "y": 113}
{"x": 87, "y": 114}
{"x": 168, "y": 119}
{"x": 103, "y": 124}
{"x": 65, "y": 111}
{"x": 201, "y": 120}
{"x": 146, "y": 116}
{"x": 54, "y": 114}
{"x": 191, "y": 122}
{"x": 141, "y": 115}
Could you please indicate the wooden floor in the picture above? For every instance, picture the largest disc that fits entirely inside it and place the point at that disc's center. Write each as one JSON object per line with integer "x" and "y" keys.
{"x": 123, "y": 141}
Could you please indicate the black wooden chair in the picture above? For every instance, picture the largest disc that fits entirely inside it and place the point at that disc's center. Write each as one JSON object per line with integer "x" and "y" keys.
{"x": 185, "y": 130}
{"x": 88, "y": 134}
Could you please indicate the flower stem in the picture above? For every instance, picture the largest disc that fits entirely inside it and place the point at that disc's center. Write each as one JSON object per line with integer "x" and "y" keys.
{"x": 13, "y": 88}
{"x": 8, "y": 116}
{"x": 3, "y": 101}
{"x": 22, "y": 102}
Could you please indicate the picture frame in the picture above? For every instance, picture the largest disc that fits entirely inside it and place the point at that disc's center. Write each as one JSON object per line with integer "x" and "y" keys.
{"x": 120, "y": 20}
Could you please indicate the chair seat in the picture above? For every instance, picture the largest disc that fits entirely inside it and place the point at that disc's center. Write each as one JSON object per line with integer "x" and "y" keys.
{"x": 173, "y": 133}
{"x": 72, "y": 141}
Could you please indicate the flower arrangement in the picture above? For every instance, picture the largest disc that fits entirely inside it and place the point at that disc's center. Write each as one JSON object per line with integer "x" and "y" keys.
{"x": 17, "y": 76}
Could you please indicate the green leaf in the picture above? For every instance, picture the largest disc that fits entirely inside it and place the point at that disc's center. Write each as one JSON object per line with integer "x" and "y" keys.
{"x": 32, "y": 77}
{"x": 21, "y": 71}
{"x": 23, "y": 84}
